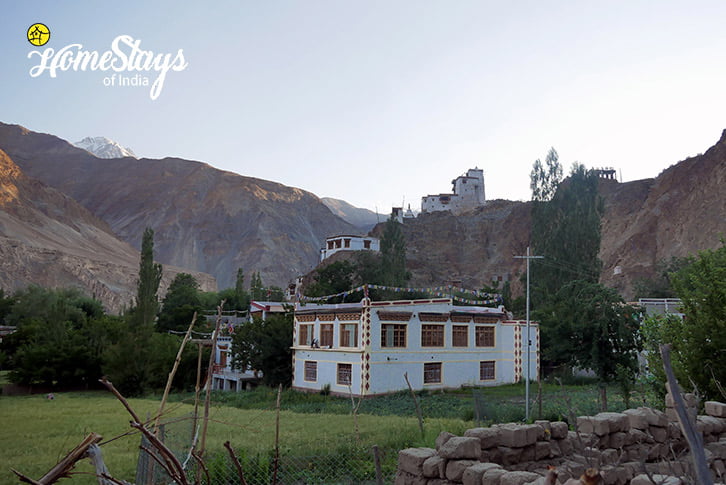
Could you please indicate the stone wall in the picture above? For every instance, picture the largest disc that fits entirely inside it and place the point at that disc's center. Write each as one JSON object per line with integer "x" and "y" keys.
{"x": 621, "y": 445}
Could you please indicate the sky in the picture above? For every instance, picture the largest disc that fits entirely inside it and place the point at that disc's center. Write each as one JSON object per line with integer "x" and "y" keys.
{"x": 382, "y": 102}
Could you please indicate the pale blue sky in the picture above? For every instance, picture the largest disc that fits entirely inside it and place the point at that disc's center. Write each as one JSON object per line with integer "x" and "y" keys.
{"x": 375, "y": 102}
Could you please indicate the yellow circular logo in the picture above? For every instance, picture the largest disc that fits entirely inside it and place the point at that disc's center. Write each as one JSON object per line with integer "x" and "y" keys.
{"x": 38, "y": 34}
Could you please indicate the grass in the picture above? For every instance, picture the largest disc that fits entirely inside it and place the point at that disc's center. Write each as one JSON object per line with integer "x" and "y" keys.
{"x": 37, "y": 432}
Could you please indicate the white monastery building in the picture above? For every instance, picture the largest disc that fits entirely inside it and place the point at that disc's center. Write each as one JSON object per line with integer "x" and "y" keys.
{"x": 366, "y": 348}
{"x": 344, "y": 242}
{"x": 468, "y": 194}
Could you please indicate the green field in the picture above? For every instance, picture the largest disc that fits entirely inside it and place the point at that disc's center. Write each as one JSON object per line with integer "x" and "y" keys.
{"x": 37, "y": 432}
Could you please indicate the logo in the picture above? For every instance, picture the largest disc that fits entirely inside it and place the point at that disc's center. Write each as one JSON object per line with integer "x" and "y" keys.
{"x": 129, "y": 64}
{"x": 38, "y": 34}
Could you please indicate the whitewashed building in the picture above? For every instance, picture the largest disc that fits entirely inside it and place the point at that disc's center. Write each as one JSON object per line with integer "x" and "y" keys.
{"x": 468, "y": 193}
{"x": 366, "y": 348}
{"x": 346, "y": 242}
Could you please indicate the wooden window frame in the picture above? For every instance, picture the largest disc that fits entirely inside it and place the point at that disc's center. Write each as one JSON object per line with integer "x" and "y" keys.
{"x": 485, "y": 336}
{"x": 488, "y": 368}
{"x": 326, "y": 335}
{"x": 340, "y": 372}
{"x": 310, "y": 373}
{"x": 459, "y": 332}
{"x": 432, "y": 335}
{"x": 432, "y": 371}
{"x": 345, "y": 334}
{"x": 305, "y": 339}
{"x": 399, "y": 333}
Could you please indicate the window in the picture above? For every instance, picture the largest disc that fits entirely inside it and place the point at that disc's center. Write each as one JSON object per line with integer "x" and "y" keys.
{"x": 311, "y": 371}
{"x": 346, "y": 243}
{"x": 460, "y": 336}
{"x": 305, "y": 335}
{"x": 485, "y": 336}
{"x": 487, "y": 370}
{"x": 432, "y": 373}
{"x": 345, "y": 372}
{"x": 348, "y": 334}
{"x": 337, "y": 243}
{"x": 366, "y": 244}
{"x": 326, "y": 335}
{"x": 331, "y": 244}
{"x": 432, "y": 335}
{"x": 393, "y": 335}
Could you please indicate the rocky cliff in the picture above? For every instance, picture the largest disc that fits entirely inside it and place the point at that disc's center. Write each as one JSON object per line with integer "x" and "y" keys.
{"x": 48, "y": 239}
{"x": 205, "y": 219}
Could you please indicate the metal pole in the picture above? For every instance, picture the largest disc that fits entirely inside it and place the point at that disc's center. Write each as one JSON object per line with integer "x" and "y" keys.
{"x": 529, "y": 341}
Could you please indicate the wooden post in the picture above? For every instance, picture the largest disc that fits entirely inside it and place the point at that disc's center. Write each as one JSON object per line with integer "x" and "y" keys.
{"x": 208, "y": 387}
{"x": 415, "y": 401}
{"x": 377, "y": 461}
{"x": 173, "y": 373}
{"x": 277, "y": 437}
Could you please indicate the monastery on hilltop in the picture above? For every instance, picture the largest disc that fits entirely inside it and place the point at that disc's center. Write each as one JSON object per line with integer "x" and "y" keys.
{"x": 468, "y": 194}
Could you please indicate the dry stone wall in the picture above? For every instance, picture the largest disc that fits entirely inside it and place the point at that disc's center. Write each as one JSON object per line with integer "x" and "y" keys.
{"x": 623, "y": 446}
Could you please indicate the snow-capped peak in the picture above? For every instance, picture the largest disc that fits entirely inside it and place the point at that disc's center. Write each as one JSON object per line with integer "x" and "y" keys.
{"x": 104, "y": 148}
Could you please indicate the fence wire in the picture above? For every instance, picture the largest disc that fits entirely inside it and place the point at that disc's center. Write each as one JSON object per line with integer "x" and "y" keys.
{"x": 349, "y": 467}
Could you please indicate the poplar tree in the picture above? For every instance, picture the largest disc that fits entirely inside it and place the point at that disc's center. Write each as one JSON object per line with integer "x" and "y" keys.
{"x": 393, "y": 255}
{"x": 147, "y": 300}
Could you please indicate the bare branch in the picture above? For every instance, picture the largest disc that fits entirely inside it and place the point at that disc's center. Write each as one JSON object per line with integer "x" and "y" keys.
{"x": 114, "y": 391}
{"x": 236, "y": 462}
{"x": 201, "y": 464}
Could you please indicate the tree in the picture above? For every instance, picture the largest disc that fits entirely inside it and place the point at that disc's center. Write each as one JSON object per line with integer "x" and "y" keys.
{"x": 660, "y": 285}
{"x": 242, "y": 298}
{"x": 147, "y": 301}
{"x": 699, "y": 342}
{"x": 181, "y": 301}
{"x": 257, "y": 291}
{"x": 596, "y": 330}
{"x": 393, "y": 255}
{"x": 264, "y": 345}
{"x": 544, "y": 180}
{"x": 332, "y": 279}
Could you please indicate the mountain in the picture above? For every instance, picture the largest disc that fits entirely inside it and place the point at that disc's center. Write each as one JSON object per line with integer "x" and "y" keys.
{"x": 104, "y": 148}
{"x": 676, "y": 214}
{"x": 363, "y": 219}
{"x": 204, "y": 219}
{"x": 48, "y": 239}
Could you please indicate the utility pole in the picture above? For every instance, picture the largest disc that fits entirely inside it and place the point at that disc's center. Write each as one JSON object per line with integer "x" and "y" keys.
{"x": 529, "y": 341}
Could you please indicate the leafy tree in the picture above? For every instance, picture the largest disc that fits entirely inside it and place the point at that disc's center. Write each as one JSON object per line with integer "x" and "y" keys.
{"x": 264, "y": 345}
{"x": 181, "y": 301}
{"x": 544, "y": 179}
{"x": 242, "y": 298}
{"x": 393, "y": 255}
{"x": 147, "y": 301}
{"x": 657, "y": 330}
{"x": 257, "y": 291}
{"x": 332, "y": 278}
{"x": 699, "y": 341}
{"x": 597, "y": 330}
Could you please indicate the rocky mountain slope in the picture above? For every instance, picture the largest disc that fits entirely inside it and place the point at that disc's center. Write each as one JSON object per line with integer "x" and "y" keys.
{"x": 204, "y": 218}
{"x": 102, "y": 147}
{"x": 363, "y": 219}
{"x": 48, "y": 239}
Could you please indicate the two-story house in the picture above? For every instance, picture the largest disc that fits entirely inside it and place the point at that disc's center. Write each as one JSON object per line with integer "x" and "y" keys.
{"x": 366, "y": 348}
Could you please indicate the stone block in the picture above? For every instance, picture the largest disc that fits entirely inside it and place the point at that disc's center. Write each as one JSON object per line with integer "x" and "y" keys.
{"x": 674, "y": 431}
{"x": 718, "y": 449}
{"x": 617, "y": 440}
{"x": 638, "y": 453}
{"x": 473, "y": 475}
{"x": 657, "y": 451}
{"x": 716, "y": 424}
{"x": 528, "y": 454}
{"x": 660, "y": 435}
{"x": 593, "y": 424}
{"x": 719, "y": 467}
{"x": 489, "y": 437}
{"x": 690, "y": 399}
{"x": 542, "y": 450}
{"x": 455, "y": 469}
{"x": 643, "y": 479}
{"x": 509, "y": 456}
{"x": 632, "y": 468}
{"x": 492, "y": 455}
{"x": 405, "y": 478}
{"x": 461, "y": 448}
{"x": 705, "y": 425}
{"x": 565, "y": 446}
{"x": 603, "y": 441}
{"x": 612, "y": 475}
{"x": 715, "y": 409}
{"x": 442, "y": 438}
{"x": 656, "y": 417}
{"x": 518, "y": 436}
{"x": 518, "y": 478}
{"x": 493, "y": 476}
{"x": 616, "y": 421}
{"x": 559, "y": 430}
{"x": 546, "y": 429}
{"x": 411, "y": 460}
{"x": 671, "y": 414}
{"x": 434, "y": 467}
{"x": 637, "y": 417}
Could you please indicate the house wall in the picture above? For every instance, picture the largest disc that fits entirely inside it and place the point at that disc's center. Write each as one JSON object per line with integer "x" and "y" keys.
{"x": 348, "y": 243}
{"x": 468, "y": 193}
{"x": 378, "y": 370}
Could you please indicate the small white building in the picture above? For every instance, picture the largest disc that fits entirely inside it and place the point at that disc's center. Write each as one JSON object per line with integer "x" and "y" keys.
{"x": 224, "y": 376}
{"x": 346, "y": 242}
{"x": 367, "y": 347}
{"x": 468, "y": 193}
